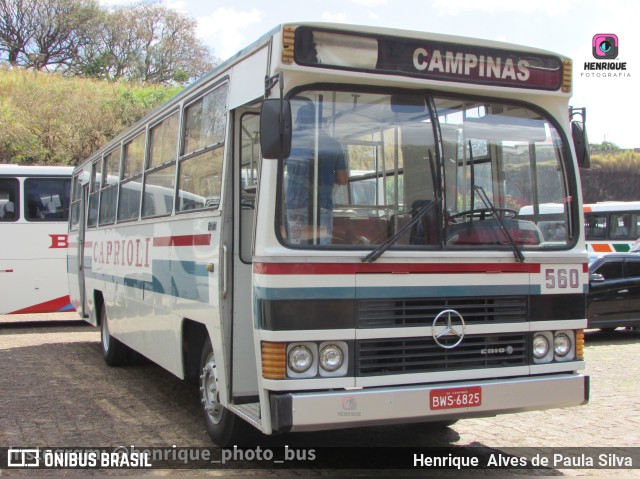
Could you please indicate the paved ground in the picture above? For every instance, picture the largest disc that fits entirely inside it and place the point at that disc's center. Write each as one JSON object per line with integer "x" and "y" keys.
{"x": 55, "y": 390}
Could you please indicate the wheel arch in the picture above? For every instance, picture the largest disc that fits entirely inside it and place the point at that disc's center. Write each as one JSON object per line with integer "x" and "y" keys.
{"x": 194, "y": 336}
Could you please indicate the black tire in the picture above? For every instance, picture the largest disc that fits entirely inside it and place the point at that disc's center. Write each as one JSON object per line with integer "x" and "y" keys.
{"x": 113, "y": 351}
{"x": 224, "y": 427}
{"x": 442, "y": 424}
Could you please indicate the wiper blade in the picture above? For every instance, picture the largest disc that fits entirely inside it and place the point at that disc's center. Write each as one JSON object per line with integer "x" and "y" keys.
{"x": 420, "y": 212}
{"x": 487, "y": 202}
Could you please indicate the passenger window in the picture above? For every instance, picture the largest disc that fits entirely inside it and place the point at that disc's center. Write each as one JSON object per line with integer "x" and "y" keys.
{"x": 595, "y": 226}
{"x": 131, "y": 186}
{"x": 9, "y": 207}
{"x": 620, "y": 225}
{"x": 47, "y": 199}
{"x": 96, "y": 177}
{"x": 200, "y": 166}
{"x": 161, "y": 169}
{"x": 109, "y": 189}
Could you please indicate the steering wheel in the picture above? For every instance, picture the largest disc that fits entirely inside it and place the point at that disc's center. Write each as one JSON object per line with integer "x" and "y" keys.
{"x": 482, "y": 213}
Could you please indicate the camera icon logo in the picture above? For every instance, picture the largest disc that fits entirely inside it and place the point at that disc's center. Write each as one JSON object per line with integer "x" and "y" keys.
{"x": 605, "y": 46}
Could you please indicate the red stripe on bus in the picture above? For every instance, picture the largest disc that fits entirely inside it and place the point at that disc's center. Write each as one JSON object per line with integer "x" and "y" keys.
{"x": 398, "y": 268}
{"x": 52, "y": 306}
{"x": 6, "y": 271}
{"x": 187, "y": 240}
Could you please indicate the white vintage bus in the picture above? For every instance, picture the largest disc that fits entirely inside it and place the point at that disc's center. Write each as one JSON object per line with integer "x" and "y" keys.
{"x": 337, "y": 243}
{"x": 34, "y": 212}
{"x": 612, "y": 226}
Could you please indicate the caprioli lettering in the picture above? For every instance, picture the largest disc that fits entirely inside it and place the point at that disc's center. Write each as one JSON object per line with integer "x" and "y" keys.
{"x": 469, "y": 64}
{"x": 126, "y": 252}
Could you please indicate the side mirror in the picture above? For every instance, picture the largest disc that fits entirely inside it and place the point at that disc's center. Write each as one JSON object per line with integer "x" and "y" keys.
{"x": 579, "y": 135}
{"x": 275, "y": 129}
{"x": 596, "y": 278}
{"x": 581, "y": 144}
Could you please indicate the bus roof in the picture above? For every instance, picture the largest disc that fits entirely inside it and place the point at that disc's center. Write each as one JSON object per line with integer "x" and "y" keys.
{"x": 21, "y": 170}
{"x": 605, "y": 206}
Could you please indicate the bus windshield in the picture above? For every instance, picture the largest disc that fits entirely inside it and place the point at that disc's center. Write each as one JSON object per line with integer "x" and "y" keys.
{"x": 364, "y": 165}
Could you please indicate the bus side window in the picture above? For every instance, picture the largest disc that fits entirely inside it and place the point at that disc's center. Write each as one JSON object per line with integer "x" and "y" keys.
{"x": 620, "y": 224}
{"x": 47, "y": 199}
{"x": 200, "y": 166}
{"x": 250, "y": 162}
{"x": 8, "y": 199}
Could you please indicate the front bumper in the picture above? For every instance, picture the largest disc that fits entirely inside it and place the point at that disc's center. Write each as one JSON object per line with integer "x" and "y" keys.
{"x": 312, "y": 411}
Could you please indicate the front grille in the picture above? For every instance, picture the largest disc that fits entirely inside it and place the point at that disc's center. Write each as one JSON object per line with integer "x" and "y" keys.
{"x": 378, "y": 313}
{"x": 417, "y": 355}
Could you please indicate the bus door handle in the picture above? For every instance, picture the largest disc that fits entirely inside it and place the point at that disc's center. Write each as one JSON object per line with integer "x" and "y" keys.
{"x": 225, "y": 270}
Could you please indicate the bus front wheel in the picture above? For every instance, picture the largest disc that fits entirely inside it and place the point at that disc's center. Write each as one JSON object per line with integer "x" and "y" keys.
{"x": 113, "y": 351}
{"x": 223, "y": 426}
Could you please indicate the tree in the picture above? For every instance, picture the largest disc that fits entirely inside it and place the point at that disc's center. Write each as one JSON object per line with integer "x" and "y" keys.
{"x": 46, "y": 33}
{"x": 63, "y": 27}
{"x": 16, "y": 28}
{"x": 604, "y": 146}
{"x": 146, "y": 42}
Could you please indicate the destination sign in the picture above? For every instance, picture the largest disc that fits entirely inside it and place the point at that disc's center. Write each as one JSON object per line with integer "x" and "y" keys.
{"x": 428, "y": 59}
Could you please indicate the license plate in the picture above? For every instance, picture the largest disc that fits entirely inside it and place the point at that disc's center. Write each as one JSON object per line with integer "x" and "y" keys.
{"x": 452, "y": 398}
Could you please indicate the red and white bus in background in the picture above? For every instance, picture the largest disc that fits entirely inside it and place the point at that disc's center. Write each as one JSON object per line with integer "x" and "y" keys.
{"x": 397, "y": 284}
{"x": 34, "y": 212}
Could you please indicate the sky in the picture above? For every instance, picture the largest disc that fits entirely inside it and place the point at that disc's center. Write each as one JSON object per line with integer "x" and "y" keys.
{"x": 565, "y": 27}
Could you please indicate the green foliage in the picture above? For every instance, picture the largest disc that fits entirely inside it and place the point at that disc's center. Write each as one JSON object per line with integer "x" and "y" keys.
{"x": 604, "y": 146}
{"x": 52, "y": 120}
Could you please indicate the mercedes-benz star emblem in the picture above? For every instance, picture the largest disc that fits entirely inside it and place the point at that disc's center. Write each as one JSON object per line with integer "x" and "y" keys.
{"x": 446, "y": 324}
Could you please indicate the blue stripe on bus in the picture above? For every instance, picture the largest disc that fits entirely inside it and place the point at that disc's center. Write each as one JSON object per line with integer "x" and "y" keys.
{"x": 182, "y": 279}
{"x": 394, "y": 292}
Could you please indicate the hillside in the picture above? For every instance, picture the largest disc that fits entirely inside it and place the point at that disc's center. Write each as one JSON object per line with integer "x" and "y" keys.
{"x": 613, "y": 176}
{"x": 49, "y": 119}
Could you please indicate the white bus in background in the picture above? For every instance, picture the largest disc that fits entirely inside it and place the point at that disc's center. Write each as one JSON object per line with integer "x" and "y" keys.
{"x": 412, "y": 293}
{"x": 34, "y": 212}
{"x": 610, "y": 226}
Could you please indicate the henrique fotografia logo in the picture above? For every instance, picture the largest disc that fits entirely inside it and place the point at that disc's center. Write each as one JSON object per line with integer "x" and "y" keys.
{"x": 605, "y": 46}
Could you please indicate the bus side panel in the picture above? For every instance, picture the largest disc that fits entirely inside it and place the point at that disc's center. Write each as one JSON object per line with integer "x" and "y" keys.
{"x": 32, "y": 268}
{"x": 153, "y": 276}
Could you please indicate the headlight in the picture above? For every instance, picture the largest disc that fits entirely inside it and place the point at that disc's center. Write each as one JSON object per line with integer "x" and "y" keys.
{"x": 561, "y": 344}
{"x": 300, "y": 359}
{"x": 331, "y": 358}
{"x": 540, "y": 346}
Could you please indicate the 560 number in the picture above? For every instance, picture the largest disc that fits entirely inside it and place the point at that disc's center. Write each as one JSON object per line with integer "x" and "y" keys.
{"x": 562, "y": 278}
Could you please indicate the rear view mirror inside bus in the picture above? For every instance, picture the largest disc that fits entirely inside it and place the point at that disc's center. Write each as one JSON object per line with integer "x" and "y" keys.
{"x": 275, "y": 129}
{"x": 411, "y": 104}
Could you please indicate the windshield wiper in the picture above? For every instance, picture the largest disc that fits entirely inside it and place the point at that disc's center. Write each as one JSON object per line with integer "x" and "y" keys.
{"x": 417, "y": 214}
{"x": 487, "y": 202}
